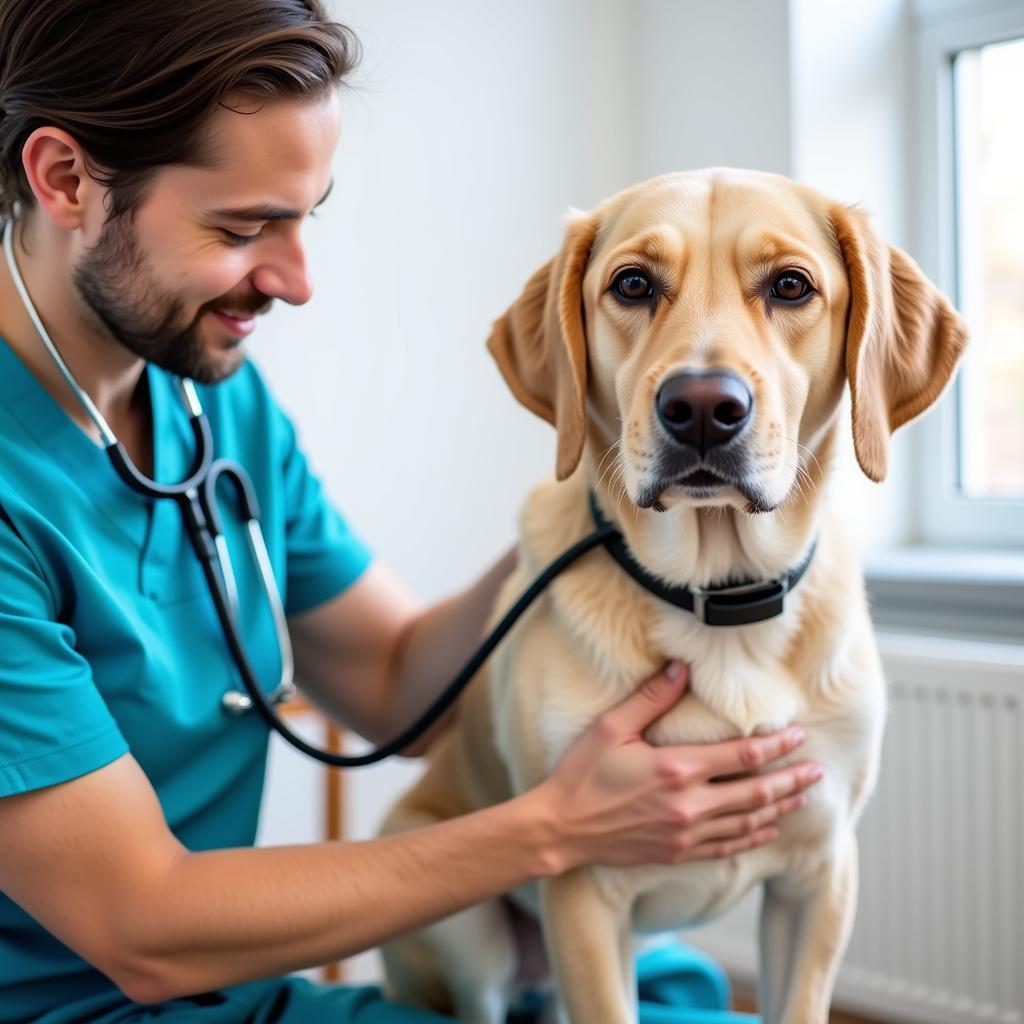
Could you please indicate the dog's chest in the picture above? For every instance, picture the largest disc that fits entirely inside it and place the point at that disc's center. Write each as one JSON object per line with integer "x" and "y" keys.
{"x": 739, "y": 682}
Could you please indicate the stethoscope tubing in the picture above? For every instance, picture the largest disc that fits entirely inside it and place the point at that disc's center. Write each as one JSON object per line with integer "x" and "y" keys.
{"x": 441, "y": 704}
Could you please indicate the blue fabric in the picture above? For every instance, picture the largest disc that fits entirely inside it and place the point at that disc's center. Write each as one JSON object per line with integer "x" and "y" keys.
{"x": 108, "y": 638}
{"x": 680, "y": 985}
{"x": 677, "y": 985}
{"x": 288, "y": 1000}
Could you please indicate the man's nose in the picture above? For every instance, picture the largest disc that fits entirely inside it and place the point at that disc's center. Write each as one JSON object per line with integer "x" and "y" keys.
{"x": 704, "y": 409}
{"x": 285, "y": 278}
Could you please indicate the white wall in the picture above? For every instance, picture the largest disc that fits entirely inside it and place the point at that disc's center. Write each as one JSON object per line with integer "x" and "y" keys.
{"x": 712, "y": 85}
{"x": 472, "y": 127}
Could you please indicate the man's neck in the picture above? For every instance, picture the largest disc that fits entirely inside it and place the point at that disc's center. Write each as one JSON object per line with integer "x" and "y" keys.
{"x": 104, "y": 369}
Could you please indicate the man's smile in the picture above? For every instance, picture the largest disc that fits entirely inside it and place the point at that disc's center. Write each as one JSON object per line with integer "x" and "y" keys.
{"x": 239, "y": 324}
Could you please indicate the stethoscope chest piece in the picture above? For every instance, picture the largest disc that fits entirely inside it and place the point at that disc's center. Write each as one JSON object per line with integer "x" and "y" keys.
{"x": 237, "y": 702}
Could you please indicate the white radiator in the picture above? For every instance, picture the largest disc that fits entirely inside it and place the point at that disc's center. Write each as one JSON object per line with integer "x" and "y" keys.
{"x": 939, "y": 937}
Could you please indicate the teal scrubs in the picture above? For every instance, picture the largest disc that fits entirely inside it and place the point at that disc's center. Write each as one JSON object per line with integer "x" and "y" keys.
{"x": 109, "y": 644}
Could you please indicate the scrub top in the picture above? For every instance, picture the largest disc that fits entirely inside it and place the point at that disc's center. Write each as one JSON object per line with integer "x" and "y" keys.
{"x": 109, "y": 642}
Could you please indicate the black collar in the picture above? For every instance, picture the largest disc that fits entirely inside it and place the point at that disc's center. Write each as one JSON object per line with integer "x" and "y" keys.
{"x": 736, "y": 604}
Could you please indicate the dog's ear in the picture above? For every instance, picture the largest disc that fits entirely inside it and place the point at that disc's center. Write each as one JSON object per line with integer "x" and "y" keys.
{"x": 903, "y": 338}
{"x": 540, "y": 343}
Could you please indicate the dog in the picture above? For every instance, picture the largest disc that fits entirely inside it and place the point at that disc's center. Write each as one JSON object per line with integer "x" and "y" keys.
{"x": 691, "y": 343}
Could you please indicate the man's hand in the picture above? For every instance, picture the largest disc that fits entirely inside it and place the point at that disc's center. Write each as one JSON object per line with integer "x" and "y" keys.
{"x": 619, "y": 801}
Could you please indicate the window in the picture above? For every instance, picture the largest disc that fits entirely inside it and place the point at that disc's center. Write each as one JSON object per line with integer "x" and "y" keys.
{"x": 988, "y": 87}
{"x": 970, "y": 227}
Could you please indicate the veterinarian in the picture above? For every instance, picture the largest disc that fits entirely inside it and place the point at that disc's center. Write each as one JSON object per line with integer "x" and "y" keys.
{"x": 157, "y": 162}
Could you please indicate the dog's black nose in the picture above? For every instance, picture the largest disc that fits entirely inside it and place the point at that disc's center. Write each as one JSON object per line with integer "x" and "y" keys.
{"x": 704, "y": 409}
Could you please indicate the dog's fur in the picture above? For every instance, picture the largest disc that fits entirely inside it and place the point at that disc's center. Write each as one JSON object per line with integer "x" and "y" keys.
{"x": 713, "y": 241}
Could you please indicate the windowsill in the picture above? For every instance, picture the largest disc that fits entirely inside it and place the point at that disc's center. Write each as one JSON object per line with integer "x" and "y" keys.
{"x": 947, "y": 565}
{"x": 952, "y": 592}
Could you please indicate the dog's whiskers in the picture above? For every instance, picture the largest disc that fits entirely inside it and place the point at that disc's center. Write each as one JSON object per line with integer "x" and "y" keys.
{"x": 802, "y": 449}
{"x": 614, "y": 466}
{"x": 617, "y": 479}
{"x": 604, "y": 457}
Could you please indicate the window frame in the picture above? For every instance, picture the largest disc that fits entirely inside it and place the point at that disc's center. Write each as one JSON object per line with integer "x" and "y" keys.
{"x": 943, "y": 516}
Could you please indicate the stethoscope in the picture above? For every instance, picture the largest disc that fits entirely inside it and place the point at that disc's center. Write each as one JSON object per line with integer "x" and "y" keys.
{"x": 196, "y": 497}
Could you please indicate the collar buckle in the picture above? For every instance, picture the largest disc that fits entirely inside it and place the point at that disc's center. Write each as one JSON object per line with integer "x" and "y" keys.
{"x": 742, "y": 604}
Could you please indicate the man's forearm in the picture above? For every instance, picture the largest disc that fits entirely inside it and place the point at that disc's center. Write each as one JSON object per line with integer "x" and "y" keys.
{"x": 437, "y": 645}
{"x": 226, "y": 916}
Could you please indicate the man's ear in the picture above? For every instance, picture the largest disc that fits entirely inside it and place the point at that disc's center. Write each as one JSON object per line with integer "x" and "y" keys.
{"x": 55, "y": 167}
{"x": 903, "y": 338}
{"x": 540, "y": 343}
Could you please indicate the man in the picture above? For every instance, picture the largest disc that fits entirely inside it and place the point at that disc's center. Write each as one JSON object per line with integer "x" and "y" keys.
{"x": 157, "y": 162}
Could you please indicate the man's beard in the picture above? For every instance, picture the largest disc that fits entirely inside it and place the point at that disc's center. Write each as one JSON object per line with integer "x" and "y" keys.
{"x": 117, "y": 284}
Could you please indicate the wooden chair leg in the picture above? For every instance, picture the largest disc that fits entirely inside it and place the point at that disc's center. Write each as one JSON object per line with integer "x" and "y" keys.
{"x": 334, "y": 817}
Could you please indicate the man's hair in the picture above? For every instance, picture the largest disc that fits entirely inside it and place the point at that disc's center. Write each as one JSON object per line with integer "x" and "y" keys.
{"x": 135, "y": 81}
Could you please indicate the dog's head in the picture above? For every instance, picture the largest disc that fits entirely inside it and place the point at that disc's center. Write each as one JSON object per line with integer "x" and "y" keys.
{"x": 705, "y": 323}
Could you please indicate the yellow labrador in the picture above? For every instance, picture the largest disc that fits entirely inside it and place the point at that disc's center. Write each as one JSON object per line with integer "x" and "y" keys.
{"x": 690, "y": 342}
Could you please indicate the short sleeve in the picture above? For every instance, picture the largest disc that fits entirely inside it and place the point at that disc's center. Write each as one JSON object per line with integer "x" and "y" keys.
{"x": 324, "y": 556}
{"x": 54, "y": 724}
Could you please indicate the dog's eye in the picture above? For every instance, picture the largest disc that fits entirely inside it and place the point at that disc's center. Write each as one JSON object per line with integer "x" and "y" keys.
{"x": 791, "y": 286}
{"x": 633, "y": 286}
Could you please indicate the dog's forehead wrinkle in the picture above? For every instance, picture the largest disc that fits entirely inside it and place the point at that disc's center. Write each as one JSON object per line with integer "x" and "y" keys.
{"x": 674, "y": 204}
{"x": 776, "y": 242}
{"x": 661, "y": 243}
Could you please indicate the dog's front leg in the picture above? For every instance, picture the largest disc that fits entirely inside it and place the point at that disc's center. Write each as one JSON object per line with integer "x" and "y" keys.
{"x": 803, "y": 939}
{"x": 779, "y": 921}
{"x": 590, "y": 948}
